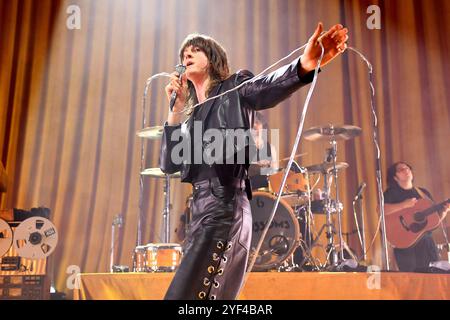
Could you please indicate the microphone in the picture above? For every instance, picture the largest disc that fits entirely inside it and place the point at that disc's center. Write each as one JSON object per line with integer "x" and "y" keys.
{"x": 360, "y": 190}
{"x": 180, "y": 69}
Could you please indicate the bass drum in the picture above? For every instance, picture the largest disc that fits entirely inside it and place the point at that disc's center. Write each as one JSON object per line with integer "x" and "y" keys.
{"x": 283, "y": 235}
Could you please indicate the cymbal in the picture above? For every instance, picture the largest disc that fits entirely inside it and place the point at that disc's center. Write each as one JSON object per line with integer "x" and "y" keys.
{"x": 152, "y": 133}
{"x": 296, "y": 156}
{"x": 326, "y": 167}
{"x": 257, "y": 169}
{"x": 157, "y": 173}
{"x": 332, "y": 132}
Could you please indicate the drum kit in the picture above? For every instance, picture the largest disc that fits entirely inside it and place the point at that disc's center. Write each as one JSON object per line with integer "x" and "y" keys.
{"x": 292, "y": 237}
{"x": 292, "y": 242}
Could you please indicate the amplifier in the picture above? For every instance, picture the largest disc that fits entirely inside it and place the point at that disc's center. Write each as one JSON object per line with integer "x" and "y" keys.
{"x": 19, "y": 215}
{"x": 24, "y": 288}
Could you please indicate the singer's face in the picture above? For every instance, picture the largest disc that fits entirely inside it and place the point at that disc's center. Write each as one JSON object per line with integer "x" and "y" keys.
{"x": 195, "y": 61}
{"x": 403, "y": 173}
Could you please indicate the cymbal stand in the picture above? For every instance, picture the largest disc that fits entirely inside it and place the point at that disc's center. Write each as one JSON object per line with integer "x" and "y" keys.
{"x": 188, "y": 215}
{"x": 331, "y": 248}
{"x": 166, "y": 210}
{"x": 307, "y": 255}
{"x": 309, "y": 242}
{"x": 333, "y": 151}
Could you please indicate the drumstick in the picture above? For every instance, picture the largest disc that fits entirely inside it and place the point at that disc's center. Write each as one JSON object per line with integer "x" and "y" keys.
{"x": 296, "y": 156}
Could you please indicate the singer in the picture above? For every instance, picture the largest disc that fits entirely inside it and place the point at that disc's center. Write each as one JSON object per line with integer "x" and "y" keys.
{"x": 218, "y": 243}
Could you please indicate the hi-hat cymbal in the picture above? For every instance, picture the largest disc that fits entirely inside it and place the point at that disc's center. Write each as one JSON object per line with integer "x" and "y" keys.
{"x": 332, "y": 132}
{"x": 152, "y": 133}
{"x": 157, "y": 173}
{"x": 326, "y": 167}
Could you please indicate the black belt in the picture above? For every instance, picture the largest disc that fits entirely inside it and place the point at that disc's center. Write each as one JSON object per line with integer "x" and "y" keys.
{"x": 215, "y": 182}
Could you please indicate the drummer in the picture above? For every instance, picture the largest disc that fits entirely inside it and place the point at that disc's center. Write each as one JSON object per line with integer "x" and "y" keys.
{"x": 266, "y": 161}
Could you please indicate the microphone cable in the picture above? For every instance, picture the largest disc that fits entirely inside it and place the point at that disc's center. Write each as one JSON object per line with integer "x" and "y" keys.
{"x": 243, "y": 83}
{"x": 254, "y": 255}
{"x": 381, "y": 220}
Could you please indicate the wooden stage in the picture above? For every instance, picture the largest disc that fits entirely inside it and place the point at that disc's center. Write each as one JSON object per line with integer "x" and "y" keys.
{"x": 278, "y": 286}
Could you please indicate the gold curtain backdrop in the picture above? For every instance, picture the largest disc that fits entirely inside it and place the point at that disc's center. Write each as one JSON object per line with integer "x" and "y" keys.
{"x": 71, "y": 103}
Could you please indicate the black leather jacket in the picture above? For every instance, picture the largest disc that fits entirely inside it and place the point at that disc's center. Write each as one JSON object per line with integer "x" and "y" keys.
{"x": 234, "y": 110}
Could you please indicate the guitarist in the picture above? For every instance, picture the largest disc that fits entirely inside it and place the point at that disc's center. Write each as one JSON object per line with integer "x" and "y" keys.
{"x": 402, "y": 194}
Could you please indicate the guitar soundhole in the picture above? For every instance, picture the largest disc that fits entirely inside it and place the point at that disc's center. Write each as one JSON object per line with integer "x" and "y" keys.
{"x": 419, "y": 217}
{"x": 416, "y": 227}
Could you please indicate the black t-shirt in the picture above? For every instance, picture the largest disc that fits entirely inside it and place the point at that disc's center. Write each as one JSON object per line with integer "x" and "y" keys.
{"x": 398, "y": 194}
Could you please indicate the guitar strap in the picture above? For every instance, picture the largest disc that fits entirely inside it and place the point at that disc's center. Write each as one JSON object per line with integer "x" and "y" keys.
{"x": 422, "y": 194}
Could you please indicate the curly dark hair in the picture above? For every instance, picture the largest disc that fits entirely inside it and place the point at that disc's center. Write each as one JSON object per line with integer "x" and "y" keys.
{"x": 391, "y": 172}
{"x": 218, "y": 70}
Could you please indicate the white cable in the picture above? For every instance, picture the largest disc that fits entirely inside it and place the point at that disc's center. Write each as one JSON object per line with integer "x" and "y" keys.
{"x": 243, "y": 83}
{"x": 289, "y": 165}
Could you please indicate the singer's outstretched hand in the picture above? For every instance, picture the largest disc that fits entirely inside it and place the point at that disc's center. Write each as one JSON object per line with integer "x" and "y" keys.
{"x": 333, "y": 41}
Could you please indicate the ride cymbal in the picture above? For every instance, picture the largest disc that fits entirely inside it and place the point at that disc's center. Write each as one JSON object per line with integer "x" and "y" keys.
{"x": 326, "y": 167}
{"x": 332, "y": 132}
{"x": 157, "y": 173}
{"x": 152, "y": 133}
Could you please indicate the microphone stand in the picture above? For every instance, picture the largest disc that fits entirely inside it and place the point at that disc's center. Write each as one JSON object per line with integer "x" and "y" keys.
{"x": 142, "y": 158}
{"x": 117, "y": 221}
{"x": 361, "y": 231}
{"x": 377, "y": 159}
{"x": 447, "y": 244}
{"x": 166, "y": 212}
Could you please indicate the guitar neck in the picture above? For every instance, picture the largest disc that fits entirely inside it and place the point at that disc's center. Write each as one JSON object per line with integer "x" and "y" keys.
{"x": 431, "y": 210}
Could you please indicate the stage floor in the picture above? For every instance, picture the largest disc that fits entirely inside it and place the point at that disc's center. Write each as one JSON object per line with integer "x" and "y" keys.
{"x": 277, "y": 286}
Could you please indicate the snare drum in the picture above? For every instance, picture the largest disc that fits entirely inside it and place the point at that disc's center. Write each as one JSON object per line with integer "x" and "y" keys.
{"x": 296, "y": 182}
{"x": 139, "y": 260}
{"x": 163, "y": 257}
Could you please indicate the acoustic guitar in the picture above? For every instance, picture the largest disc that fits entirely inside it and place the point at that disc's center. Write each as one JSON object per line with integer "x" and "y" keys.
{"x": 405, "y": 227}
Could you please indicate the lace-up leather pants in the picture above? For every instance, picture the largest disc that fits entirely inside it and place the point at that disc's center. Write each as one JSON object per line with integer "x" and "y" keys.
{"x": 218, "y": 242}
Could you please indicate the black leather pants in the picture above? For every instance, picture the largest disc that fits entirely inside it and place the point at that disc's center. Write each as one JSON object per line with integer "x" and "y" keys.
{"x": 215, "y": 259}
